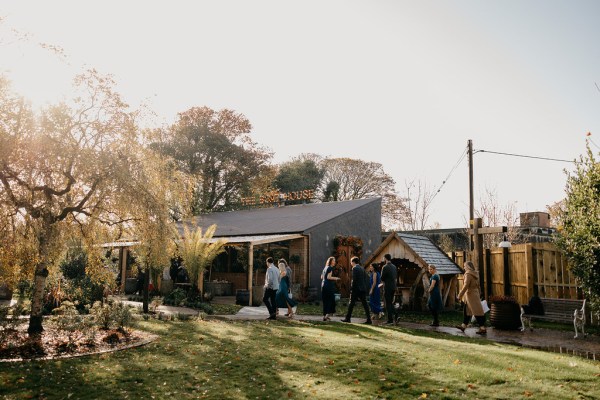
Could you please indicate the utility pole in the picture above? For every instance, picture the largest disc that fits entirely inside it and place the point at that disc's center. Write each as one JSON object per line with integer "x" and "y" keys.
{"x": 471, "y": 202}
{"x": 476, "y": 232}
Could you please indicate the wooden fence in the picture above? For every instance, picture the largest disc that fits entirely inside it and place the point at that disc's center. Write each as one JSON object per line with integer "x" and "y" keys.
{"x": 525, "y": 270}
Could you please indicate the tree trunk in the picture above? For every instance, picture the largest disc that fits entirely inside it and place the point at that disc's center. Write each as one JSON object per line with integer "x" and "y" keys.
{"x": 145, "y": 292}
{"x": 37, "y": 299}
{"x": 45, "y": 240}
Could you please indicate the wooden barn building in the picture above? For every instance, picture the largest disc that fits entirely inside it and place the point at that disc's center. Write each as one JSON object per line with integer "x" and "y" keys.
{"x": 411, "y": 254}
{"x": 305, "y": 235}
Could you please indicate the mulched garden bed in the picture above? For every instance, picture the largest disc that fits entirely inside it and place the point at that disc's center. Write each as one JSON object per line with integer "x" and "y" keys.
{"x": 17, "y": 345}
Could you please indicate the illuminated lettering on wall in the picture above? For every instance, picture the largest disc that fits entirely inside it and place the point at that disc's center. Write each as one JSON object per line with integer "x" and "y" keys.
{"x": 276, "y": 197}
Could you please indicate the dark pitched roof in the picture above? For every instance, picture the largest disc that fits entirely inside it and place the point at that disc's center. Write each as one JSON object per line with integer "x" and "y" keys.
{"x": 430, "y": 253}
{"x": 277, "y": 220}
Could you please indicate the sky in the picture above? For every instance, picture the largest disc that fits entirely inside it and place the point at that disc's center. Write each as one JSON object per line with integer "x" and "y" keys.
{"x": 402, "y": 83}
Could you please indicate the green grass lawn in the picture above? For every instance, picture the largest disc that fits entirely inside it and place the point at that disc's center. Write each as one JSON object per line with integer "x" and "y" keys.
{"x": 297, "y": 360}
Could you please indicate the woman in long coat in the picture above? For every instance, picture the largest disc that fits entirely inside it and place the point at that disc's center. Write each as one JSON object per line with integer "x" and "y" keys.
{"x": 472, "y": 298}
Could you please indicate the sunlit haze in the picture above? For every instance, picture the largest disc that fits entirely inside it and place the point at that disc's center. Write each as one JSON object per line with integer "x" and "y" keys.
{"x": 404, "y": 83}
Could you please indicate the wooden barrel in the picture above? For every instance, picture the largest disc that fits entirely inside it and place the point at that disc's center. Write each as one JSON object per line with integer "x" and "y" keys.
{"x": 505, "y": 316}
{"x": 242, "y": 297}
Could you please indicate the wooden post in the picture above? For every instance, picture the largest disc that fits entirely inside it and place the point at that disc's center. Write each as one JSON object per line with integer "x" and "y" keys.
{"x": 488, "y": 274}
{"x": 531, "y": 272}
{"x": 200, "y": 283}
{"x": 505, "y": 259}
{"x": 123, "y": 260}
{"x": 471, "y": 201}
{"x": 306, "y": 261}
{"x": 250, "y": 271}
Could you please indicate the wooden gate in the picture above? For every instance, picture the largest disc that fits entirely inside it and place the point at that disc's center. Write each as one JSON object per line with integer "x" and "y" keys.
{"x": 343, "y": 269}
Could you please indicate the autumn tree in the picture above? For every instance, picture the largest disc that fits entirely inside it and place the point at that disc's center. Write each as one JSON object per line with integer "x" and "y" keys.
{"x": 579, "y": 234}
{"x": 298, "y": 175}
{"x": 216, "y": 149}
{"x": 70, "y": 165}
{"x": 556, "y": 210}
{"x": 161, "y": 189}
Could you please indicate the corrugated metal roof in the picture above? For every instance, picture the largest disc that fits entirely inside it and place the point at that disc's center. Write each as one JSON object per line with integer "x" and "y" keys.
{"x": 276, "y": 220}
{"x": 430, "y": 253}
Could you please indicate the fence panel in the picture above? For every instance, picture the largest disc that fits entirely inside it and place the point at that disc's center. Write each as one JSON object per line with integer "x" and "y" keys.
{"x": 497, "y": 271}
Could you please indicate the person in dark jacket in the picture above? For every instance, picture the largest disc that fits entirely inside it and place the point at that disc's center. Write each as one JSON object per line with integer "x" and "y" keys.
{"x": 389, "y": 277}
{"x": 358, "y": 290}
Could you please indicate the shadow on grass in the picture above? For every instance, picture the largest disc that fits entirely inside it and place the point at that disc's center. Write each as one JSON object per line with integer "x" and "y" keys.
{"x": 263, "y": 359}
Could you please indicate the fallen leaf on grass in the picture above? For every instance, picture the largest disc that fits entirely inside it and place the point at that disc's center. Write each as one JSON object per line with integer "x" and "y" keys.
{"x": 456, "y": 362}
{"x": 423, "y": 396}
{"x": 528, "y": 393}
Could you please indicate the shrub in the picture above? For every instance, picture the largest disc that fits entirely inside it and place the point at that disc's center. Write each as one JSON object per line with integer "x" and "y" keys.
{"x": 68, "y": 320}
{"x": 207, "y": 308}
{"x": 102, "y": 314}
{"x": 176, "y": 297}
{"x": 123, "y": 317}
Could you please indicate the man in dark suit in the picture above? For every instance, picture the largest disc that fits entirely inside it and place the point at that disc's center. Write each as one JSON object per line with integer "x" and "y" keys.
{"x": 389, "y": 277}
{"x": 358, "y": 290}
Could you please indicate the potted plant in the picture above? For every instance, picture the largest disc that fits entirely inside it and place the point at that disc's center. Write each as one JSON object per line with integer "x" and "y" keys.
{"x": 505, "y": 312}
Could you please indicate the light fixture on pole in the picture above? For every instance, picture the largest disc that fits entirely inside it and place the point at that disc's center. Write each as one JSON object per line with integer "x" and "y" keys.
{"x": 505, "y": 243}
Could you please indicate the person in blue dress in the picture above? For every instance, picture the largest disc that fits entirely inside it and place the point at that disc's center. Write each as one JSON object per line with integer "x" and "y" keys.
{"x": 328, "y": 289}
{"x": 435, "y": 297}
{"x": 282, "y": 297}
{"x": 375, "y": 290}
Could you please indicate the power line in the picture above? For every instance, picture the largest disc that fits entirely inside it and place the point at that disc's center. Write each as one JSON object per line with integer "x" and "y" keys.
{"x": 460, "y": 159}
{"x": 524, "y": 156}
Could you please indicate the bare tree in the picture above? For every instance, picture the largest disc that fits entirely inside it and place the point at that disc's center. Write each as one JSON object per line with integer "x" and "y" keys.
{"x": 417, "y": 197}
{"x": 494, "y": 214}
{"x": 358, "y": 179}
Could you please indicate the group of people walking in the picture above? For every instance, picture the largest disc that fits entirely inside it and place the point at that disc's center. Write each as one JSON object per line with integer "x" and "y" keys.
{"x": 278, "y": 288}
{"x": 366, "y": 286}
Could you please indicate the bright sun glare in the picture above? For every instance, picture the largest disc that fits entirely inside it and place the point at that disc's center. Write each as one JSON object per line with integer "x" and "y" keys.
{"x": 42, "y": 75}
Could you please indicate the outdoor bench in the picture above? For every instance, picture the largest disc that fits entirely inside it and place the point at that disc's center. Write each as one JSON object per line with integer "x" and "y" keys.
{"x": 558, "y": 310}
